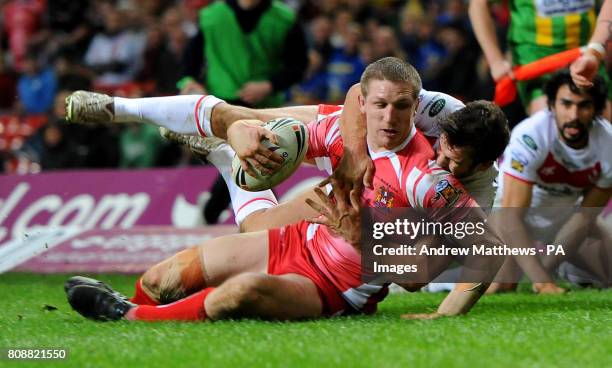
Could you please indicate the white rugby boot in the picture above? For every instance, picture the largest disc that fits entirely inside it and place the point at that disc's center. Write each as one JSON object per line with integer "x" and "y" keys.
{"x": 85, "y": 107}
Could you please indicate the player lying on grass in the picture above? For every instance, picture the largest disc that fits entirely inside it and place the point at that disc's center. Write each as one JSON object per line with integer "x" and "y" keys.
{"x": 305, "y": 270}
{"x": 475, "y": 142}
{"x": 562, "y": 158}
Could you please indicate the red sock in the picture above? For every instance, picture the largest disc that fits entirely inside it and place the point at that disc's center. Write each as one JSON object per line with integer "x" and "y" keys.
{"x": 140, "y": 297}
{"x": 190, "y": 308}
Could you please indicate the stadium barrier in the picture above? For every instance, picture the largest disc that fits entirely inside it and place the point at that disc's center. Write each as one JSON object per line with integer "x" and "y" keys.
{"x": 92, "y": 221}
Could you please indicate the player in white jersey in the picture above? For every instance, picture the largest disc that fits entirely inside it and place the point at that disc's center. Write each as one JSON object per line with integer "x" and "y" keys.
{"x": 559, "y": 158}
{"x": 270, "y": 274}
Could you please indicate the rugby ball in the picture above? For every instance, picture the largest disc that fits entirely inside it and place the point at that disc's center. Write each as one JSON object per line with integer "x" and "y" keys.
{"x": 292, "y": 146}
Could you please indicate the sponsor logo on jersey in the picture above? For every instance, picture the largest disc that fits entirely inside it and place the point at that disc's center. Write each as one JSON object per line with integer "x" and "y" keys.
{"x": 518, "y": 156}
{"x": 384, "y": 198}
{"x": 444, "y": 189}
{"x": 517, "y": 165}
{"x": 559, "y": 8}
{"x": 530, "y": 142}
{"x": 429, "y": 103}
{"x": 436, "y": 107}
{"x": 518, "y": 161}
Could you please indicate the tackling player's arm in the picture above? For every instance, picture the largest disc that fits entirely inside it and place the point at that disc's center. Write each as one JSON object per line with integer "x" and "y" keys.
{"x": 356, "y": 167}
{"x": 484, "y": 28}
{"x": 465, "y": 295}
{"x": 447, "y": 201}
{"x": 457, "y": 302}
{"x": 479, "y": 269}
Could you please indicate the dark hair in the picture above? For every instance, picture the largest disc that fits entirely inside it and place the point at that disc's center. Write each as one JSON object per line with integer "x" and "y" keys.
{"x": 392, "y": 69}
{"x": 480, "y": 125}
{"x": 598, "y": 92}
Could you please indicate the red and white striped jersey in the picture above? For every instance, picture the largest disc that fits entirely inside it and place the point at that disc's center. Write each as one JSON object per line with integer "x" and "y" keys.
{"x": 406, "y": 176}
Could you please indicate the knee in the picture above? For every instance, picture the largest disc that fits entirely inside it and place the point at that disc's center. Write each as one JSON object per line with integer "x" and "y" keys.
{"x": 162, "y": 283}
{"x": 151, "y": 281}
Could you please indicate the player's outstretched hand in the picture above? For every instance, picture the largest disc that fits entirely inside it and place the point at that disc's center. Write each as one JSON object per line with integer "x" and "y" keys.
{"x": 421, "y": 316}
{"x": 547, "y": 288}
{"x": 245, "y": 137}
{"x": 584, "y": 69}
{"x": 353, "y": 173}
{"x": 342, "y": 218}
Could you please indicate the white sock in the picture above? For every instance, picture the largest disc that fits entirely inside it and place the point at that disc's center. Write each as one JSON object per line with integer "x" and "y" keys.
{"x": 189, "y": 114}
{"x": 244, "y": 202}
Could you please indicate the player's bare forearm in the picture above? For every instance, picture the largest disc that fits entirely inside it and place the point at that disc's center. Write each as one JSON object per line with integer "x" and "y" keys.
{"x": 478, "y": 270}
{"x": 353, "y": 123}
{"x": 356, "y": 167}
{"x": 603, "y": 29}
{"x": 584, "y": 69}
{"x": 224, "y": 115}
{"x": 462, "y": 299}
{"x": 484, "y": 29}
{"x": 458, "y": 302}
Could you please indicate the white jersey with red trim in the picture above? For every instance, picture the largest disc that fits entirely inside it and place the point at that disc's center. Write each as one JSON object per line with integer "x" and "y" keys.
{"x": 404, "y": 177}
{"x": 433, "y": 107}
{"x": 560, "y": 174}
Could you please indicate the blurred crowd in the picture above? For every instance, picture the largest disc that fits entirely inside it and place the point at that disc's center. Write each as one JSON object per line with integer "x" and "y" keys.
{"x": 135, "y": 48}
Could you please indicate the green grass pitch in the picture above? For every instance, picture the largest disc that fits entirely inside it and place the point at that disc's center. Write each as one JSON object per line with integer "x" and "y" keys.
{"x": 516, "y": 330}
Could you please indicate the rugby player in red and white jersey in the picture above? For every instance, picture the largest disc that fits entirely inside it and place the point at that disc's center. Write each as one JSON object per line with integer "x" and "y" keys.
{"x": 201, "y": 115}
{"x": 305, "y": 270}
{"x": 258, "y": 211}
{"x": 559, "y": 158}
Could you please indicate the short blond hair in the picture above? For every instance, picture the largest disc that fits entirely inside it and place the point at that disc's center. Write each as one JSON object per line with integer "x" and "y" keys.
{"x": 392, "y": 69}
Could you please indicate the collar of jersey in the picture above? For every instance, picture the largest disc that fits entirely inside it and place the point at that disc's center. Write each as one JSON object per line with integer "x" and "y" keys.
{"x": 375, "y": 155}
